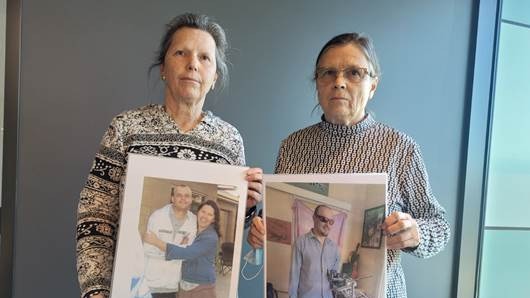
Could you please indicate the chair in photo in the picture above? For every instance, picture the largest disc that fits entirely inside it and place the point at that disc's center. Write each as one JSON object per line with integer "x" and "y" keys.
{"x": 226, "y": 254}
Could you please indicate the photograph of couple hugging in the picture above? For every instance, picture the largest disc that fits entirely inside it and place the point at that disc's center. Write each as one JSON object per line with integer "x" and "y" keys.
{"x": 185, "y": 254}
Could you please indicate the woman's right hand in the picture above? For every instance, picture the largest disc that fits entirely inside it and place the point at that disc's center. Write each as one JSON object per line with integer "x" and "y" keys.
{"x": 255, "y": 186}
{"x": 150, "y": 238}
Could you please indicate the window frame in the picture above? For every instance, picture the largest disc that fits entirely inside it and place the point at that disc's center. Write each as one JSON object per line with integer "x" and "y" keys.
{"x": 480, "y": 111}
{"x": 10, "y": 154}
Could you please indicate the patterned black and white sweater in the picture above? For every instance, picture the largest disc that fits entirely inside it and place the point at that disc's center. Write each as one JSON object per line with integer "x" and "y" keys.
{"x": 372, "y": 147}
{"x": 147, "y": 130}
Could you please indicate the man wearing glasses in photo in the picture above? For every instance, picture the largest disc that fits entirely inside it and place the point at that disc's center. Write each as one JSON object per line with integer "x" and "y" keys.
{"x": 314, "y": 254}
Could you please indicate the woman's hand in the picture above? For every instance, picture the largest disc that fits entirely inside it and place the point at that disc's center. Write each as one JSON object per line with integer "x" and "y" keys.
{"x": 401, "y": 231}
{"x": 256, "y": 234}
{"x": 255, "y": 186}
{"x": 185, "y": 240}
{"x": 152, "y": 239}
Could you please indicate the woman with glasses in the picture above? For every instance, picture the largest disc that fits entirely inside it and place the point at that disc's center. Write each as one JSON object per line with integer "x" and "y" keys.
{"x": 350, "y": 140}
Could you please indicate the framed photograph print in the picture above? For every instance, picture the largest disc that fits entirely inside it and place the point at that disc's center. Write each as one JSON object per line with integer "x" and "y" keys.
{"x": 179, "y": 222}
{"x": 372, "y": 233}
{"x": 326, "y": 231}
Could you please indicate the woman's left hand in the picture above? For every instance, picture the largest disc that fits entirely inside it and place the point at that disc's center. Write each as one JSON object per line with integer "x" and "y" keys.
{"x": 401, "y": 231}
{"x": 255, "y": 186}
{"x": 150, "y": 237}
{"x": 185, "y": 240}
{"x": 256, "y": 233}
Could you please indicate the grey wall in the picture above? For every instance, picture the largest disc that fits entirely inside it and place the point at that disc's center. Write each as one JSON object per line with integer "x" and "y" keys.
{"x": 85, "y": 61}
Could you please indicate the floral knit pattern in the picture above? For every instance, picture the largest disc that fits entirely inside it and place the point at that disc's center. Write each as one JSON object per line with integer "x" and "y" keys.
{"x": 372, "y": 147}
{"x": 148, "y": 130}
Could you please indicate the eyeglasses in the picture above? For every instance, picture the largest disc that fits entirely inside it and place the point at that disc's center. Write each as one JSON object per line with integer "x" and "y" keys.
{"x": 352, "y": 74}
{"x": 325, "y": 219}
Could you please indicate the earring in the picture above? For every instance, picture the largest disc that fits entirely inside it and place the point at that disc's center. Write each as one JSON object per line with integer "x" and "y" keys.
{"x": 213, "y": 86}
{"x": 163, "y": 77}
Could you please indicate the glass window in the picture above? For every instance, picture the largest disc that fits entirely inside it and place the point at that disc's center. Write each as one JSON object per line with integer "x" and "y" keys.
{"x": 516, "y": 11}
{"x": 508, "y": 198}
{"x": 505, "y": 265}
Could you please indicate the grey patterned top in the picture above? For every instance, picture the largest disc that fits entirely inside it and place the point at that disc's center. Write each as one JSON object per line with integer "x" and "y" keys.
{"x": 372, "y": 147}
{"x": 147, "y": 130}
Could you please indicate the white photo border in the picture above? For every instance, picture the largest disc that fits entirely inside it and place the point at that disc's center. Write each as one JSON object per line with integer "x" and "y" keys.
{"x": 353, "y": 178}
{"x": 141, "y": 166}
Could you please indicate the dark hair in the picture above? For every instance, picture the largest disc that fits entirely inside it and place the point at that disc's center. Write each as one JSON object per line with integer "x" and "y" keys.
{"x": 204, "y": 23}
{"x": 362, "y": 41}
{"x": 216, "y": 212}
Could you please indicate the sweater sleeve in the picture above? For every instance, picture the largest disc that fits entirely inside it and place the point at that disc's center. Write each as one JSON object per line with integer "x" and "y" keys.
{"x": 240, "y": 151}
{"x": 280, "y": 160}
{"x": 202, "y": 245}
{"x": 98, "y": 214}
{"x": 433, "y": 227}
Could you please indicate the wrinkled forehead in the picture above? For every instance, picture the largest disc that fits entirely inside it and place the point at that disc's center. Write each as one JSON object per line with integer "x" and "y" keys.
{"x": 193, "y": 37}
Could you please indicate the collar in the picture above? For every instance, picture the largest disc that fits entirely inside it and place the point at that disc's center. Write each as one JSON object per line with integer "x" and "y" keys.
{"x": 207, "y": 116}
{"x": 344, "y": 130}
{"x": 172, "y": 212}
{"x": 313, "y": 236}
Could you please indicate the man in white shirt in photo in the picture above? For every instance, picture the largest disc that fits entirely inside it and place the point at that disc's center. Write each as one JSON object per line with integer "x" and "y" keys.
{"x": 172, "y": 223}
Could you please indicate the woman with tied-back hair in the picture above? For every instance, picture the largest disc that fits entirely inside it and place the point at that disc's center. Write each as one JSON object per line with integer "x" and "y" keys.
{"x": 192, "y": 62}
{"x": 350, "y": 140}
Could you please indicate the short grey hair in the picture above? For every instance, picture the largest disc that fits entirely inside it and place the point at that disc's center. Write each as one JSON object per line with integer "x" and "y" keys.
{"x": 204, "y": 23}
{"x": 362, "y": 41}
